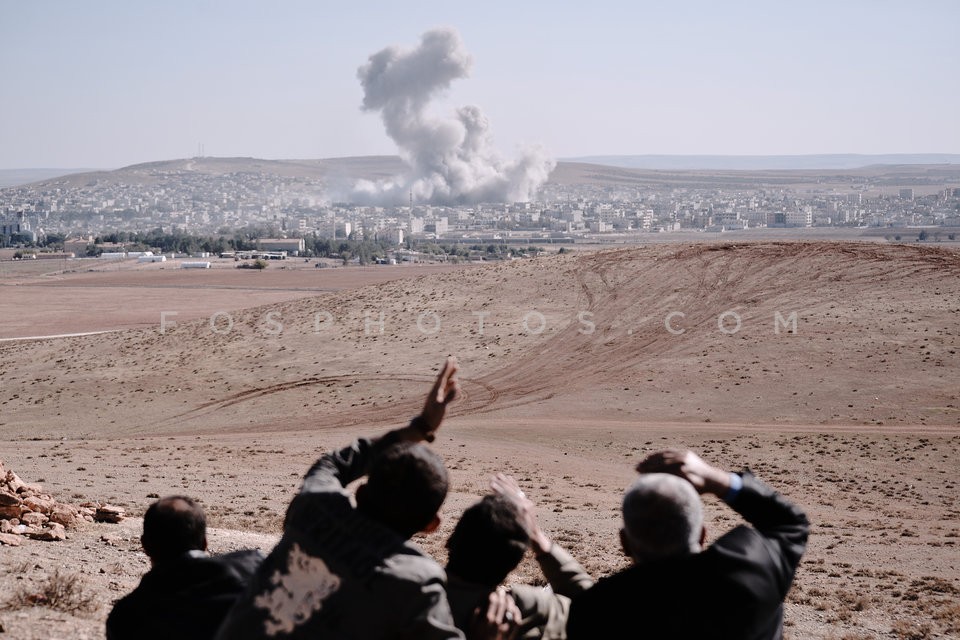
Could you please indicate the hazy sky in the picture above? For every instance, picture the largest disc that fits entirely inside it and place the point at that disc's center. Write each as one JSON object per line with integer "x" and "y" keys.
{"x": 97, "y": 83}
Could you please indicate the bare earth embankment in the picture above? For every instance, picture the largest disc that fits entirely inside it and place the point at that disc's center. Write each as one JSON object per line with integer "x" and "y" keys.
{"x": 829, "y": 368}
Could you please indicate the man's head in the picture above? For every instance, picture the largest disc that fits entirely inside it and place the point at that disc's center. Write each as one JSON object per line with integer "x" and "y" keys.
{"x": 488, "y": 542}
{"x": 406, "y": 485}
{"x": 662, "y": 517}
{"x": 173, "y": 526}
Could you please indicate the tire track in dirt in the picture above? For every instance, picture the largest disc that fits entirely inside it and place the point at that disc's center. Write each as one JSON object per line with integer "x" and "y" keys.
{"x": 629, "y": 293}
{"x": 712, "y": 279}
{"x": 475, "y": 396}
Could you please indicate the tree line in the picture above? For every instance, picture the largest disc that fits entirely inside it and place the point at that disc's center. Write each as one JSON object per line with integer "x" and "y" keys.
{"x": 363, "y": 250}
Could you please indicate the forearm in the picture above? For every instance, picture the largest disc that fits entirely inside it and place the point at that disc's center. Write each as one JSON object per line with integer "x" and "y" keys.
{"x": 336, "y": 469}
{"x": 540, "y": 543}
{"x": 718, "y": 482}
{"x": 565, "y": 575}
{"x": 763, "y": 507}
{"x": 773, "y": 515}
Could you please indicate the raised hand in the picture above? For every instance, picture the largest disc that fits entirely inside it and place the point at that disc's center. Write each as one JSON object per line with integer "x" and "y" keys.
{"x": 704, "y": 477}
{"x": 445, "y": 390}
{"x": 507, "y": 487}
{"x": 499, "y": 621}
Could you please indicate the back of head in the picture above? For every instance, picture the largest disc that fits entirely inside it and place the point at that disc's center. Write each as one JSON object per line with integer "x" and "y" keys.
{"x": 405, "y": 488}
{"x": 173, "y": 526}
{"x": 662, "y": 517}
{"x": 488, "y": 542}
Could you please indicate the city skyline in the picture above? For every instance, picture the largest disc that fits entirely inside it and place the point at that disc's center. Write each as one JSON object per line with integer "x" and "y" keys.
{"x": 109, "y": 85}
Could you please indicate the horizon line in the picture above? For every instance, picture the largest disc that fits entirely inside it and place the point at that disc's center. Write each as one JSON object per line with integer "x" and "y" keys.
{"x": 595, "y": 156}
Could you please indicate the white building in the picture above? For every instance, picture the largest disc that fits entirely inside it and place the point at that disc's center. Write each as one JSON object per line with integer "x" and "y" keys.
{"x": 799, "y": 217}
{"x": 393, "y": 235}
{"x": 293, "y": 246}
{"x": 16, "y": 225}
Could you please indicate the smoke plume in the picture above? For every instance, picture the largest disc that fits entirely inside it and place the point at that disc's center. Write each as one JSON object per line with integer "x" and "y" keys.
{"x": 451, "y": 159}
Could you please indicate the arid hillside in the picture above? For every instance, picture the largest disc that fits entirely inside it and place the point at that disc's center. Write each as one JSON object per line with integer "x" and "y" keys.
{"x": 788, "y": 333}
{"x": 830, "y": 369}
{"x": 886, "y": 178}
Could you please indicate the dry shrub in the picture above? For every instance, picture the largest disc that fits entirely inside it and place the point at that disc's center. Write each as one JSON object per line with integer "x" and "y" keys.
{"x": 949, "y": 616}
{"x": 851, "y": 635}
{"x": 905, "y": 630}
{"x": 61, "y": 591}
{"x": 853, "y": 601}
{"x": 935, "y": 585}
{"x": 840, "y": 615}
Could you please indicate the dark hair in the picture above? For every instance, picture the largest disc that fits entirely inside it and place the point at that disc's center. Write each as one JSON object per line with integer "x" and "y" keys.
{"x": 406, "y": 485}
{"x": 488, "y": 542}
{"x": 172, "y": 526}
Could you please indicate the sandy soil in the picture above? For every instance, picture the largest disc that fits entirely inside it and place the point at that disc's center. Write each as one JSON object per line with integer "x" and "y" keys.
{"x": 43, "y": 298}
{"x": 855, "y": 415}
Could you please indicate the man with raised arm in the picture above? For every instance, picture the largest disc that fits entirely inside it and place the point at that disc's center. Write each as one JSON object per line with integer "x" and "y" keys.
{"x": 350, "y": 571}
{"x": 677, "y": 588}
{"x": 489, "y": 541}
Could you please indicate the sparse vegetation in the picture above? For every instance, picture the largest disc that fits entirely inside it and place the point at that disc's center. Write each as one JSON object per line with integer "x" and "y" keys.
{"x": 906, "y": 630}
{"x": 949, "y": 616}
{"x": 61, "y": 591}
{"x": 259, "y": 263}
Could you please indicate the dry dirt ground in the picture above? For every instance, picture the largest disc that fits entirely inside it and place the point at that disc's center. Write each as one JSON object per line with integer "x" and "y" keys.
{"x": 573, "y": 366}
{"x": 51, "y": 297}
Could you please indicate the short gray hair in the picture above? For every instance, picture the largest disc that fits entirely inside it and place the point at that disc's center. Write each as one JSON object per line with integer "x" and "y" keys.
{"x": 662, "y": 517}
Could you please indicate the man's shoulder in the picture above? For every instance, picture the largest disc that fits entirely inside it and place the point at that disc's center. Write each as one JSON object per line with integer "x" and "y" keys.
{"x": 311, "y": 508}
{"x": 742, "y": 544}
{"x": 129, "y": 606}
{"x": 124, "y": 610}
{"x": 625, "y": 582}
{"x": 531, "y": 598}
{"x": 355, "y": 552}
{"x": 202, "y": 569}
{"x": 128, "y": 614}
{"x": 651, "y": 582}
{"x": 409, "y": 563}
{"x": 186, "y": 577}
{"x": 614, "y": 602}
{"x": 244, "y": 562}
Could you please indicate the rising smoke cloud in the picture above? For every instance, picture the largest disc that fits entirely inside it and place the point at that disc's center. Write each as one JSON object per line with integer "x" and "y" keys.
{"x": 451, "y": 159}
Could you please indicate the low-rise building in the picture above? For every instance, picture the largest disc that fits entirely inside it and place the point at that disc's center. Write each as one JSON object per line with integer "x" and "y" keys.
{"x": 292, "y": 246}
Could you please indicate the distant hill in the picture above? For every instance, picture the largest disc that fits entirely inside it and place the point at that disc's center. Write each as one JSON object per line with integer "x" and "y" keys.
{"x": 17, "y": 177}
{"x": 370, "y": 167}
{"x": 566, "y": 173}
{"x": 766, "y": 163}
{"x": 888, "y": 177}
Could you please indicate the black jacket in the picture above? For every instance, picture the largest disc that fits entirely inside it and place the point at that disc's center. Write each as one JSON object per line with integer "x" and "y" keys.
{"x": 733, "y": 590}
{"x": 185, "y": 599}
